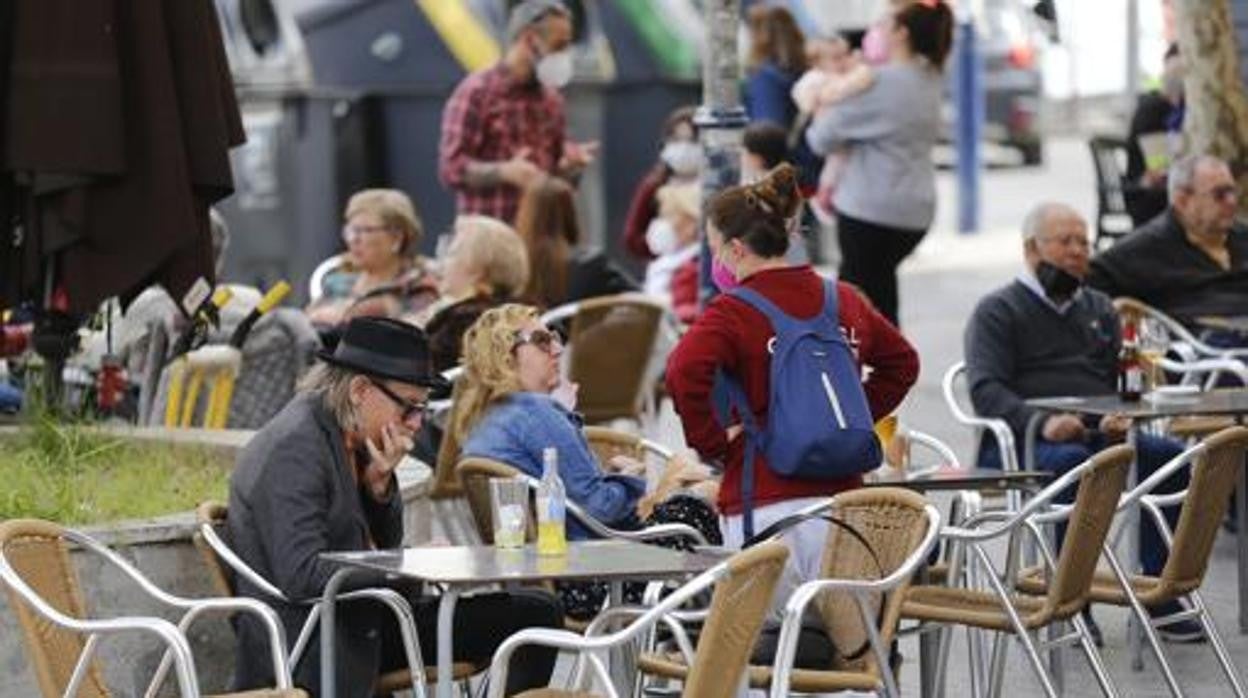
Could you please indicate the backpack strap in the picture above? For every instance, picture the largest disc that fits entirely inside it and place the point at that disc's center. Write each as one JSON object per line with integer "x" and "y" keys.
{"x": 782, "y": 321}
{"x": 727, "y": 394}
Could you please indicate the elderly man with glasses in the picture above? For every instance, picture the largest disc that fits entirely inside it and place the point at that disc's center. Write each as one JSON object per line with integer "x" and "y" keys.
{"x": 319, "y": 477}
{"x": 1190, "y": 261}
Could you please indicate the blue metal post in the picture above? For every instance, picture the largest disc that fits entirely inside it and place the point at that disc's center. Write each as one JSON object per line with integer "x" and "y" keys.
{"x": 969, "y": 96}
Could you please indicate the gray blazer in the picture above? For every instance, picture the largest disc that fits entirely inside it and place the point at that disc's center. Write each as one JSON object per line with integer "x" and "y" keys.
{"x": 292, "y": 497}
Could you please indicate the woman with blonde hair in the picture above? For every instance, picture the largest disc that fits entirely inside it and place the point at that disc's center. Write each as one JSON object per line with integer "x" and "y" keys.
{"x": 382, "y": 272}
{"x": 510, "y": 406}
{"x": 559, "y": 273}
{"x": 486, "y": 265}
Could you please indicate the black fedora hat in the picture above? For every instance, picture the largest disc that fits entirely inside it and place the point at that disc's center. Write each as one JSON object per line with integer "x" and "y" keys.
{"x": 386, "y": 348}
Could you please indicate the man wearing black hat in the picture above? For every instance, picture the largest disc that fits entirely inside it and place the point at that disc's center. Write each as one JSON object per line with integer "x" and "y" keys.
{"x": 320, "y": 477}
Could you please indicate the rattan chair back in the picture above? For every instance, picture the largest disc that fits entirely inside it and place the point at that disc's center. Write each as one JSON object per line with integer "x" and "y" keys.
{"x": 612, "y": 339}
{"x": 738, "y": 606}
{"x": 1095, "y": 504}
{"x": 36, "y": 551}
{"x": 892, "y": 521}
{"x": 609, "y": 443}
{"x": 213, "y": 514}
{"x": 1213, "y": 478}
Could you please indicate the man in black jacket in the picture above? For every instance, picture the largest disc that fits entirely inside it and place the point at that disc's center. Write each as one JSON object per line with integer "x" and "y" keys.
{"x": 1193, "y": 260}
{"x": 320, "y": 477}
{"x": 1047, "y": 335}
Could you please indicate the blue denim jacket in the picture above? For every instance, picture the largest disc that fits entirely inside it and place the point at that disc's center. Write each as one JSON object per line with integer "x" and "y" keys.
{"x": 518, "y": 428}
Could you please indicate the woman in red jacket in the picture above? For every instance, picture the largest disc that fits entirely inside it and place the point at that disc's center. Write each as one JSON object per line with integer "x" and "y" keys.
{"x": 749, "y": 232}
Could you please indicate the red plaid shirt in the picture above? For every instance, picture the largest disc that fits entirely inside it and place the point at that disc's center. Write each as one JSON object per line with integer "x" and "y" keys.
{"x": 488, "y": 118}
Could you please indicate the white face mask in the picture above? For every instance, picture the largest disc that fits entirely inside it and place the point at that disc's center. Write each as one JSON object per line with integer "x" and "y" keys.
{"x": 684, "y": 157}
{"x": 661, "y": 237}
{"x": 554, "y": 70}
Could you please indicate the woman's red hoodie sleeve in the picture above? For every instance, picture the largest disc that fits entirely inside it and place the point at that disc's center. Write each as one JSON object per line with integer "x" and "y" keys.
{"x": 709, "y": 344}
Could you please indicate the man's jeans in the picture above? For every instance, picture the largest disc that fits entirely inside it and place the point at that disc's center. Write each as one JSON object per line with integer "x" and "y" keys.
{"x": 1152, "y": 453}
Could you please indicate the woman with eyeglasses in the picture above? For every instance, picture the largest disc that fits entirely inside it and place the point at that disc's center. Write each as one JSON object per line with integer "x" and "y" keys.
{"x": 381, "y": 273}
{"x": 510, "y": 405}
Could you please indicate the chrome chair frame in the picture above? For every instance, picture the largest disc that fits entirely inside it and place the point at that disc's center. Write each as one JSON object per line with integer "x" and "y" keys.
{"x": 390, "y": 598}
{"x": 177, "y": 650}
{"x": 1142, "y": 495}
{"x": 971, "y": 537}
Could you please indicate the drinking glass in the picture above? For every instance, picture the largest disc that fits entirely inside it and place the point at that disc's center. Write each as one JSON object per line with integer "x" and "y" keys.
{"x": 509, "y": 504}
{"x": 1154, "y": 341}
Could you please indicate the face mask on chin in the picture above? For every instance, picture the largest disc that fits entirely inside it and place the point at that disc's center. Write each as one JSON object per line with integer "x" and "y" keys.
{"x": 1058, "y": 284}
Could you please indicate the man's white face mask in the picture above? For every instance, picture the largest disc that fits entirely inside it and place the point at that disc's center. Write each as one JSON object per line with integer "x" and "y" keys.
{"x": 554, "y": 70}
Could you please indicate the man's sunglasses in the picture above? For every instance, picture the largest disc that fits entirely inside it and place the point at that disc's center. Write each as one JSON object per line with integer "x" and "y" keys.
{"x": 408, "y": 409}
{"x": 543, "y": 338}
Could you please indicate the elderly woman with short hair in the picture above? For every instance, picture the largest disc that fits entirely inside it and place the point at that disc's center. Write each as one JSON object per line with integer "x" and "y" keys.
{"x": 382, "y": 272}
{"x": 320, "y": 477}
{"x": 485, "y": 266}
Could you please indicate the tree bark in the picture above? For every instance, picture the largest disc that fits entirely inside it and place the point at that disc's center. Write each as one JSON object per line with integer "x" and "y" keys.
{"x": 1216, "y": 121}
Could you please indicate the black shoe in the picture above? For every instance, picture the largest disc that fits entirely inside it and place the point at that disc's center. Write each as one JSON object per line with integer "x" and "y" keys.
{"x": 1186, "y": 631}
{"x": 1093, "y": 629}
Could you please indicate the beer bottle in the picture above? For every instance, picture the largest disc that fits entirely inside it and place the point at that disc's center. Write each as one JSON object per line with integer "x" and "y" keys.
{"x": 1130, "y": 368}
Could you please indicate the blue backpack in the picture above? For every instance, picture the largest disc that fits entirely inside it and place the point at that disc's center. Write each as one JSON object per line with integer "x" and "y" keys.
{"x": 819, "y": 426}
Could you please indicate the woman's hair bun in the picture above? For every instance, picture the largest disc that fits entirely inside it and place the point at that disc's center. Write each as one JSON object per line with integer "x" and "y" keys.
{"x": 778, "y": 191}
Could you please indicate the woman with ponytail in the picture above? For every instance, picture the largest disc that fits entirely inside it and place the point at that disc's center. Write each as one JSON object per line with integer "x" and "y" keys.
{"x": 748, "y": 233}
{"x": 886, "y": 198}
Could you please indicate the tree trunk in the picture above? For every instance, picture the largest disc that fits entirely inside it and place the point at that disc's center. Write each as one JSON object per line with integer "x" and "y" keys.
{"x": 1216, "y": 121}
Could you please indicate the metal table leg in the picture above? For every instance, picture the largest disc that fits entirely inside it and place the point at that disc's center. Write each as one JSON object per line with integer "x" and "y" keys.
{"x": 1241, "y": 540}
{"x": 329, "y": 600}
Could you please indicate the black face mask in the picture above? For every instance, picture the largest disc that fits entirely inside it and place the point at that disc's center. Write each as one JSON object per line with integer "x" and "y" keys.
{"x": 1058, "y": 284}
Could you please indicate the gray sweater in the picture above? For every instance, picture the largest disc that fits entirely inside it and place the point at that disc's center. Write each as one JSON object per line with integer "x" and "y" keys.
{"x": 890, "y": 130}
{"x": 1017, "y": 347}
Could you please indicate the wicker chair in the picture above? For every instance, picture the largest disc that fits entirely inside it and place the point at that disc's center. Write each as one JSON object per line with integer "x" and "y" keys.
{"x": 607, "y": 443}
{"x": 224, "y": 565}
{"x": 1216, "y": 463}
{"x": 744, "y": 585}
{"x": 1100, "y": 479}
{"x": 44, "y": 593}
{"x": 612, "y": 342}
{"x": 901, "y": 528}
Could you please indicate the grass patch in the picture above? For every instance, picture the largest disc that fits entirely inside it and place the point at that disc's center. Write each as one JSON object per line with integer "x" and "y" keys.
{"x": 75, "y": 475}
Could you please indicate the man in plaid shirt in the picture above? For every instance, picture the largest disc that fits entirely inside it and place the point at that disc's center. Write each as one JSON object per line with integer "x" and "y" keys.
{"x": 504, "y": 127}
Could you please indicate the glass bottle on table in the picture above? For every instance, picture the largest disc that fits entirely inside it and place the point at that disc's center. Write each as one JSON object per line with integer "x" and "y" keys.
{"x": 552, "y": 500}
{"x": 1130, "y": 369}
